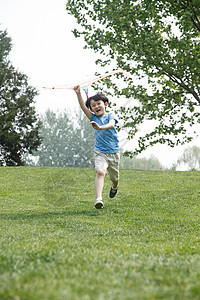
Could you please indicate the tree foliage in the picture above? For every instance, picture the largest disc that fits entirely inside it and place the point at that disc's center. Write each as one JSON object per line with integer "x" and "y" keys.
{"x": 190, "y": 158}
{"x": 19, "y": 125}
{"x": 157, "y": 41}
{"x": 68, "y": 141}
{"x": 151, "y": 163}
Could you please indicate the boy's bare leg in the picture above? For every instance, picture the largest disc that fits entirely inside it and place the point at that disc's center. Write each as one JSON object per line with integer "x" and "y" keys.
{"x": 99, "y": 182}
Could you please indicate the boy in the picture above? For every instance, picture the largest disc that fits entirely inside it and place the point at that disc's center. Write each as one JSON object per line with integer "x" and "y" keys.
{"x": 107, "y": 145}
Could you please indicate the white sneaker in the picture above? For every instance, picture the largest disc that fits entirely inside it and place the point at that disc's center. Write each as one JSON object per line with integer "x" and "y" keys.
{"x": 98, "y": 204}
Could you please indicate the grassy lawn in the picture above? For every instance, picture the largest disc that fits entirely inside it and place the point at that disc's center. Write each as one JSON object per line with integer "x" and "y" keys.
{"x": 144, "y": 244}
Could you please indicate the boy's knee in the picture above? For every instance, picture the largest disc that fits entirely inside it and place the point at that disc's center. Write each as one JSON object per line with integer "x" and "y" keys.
{"x": 100, "y": 173}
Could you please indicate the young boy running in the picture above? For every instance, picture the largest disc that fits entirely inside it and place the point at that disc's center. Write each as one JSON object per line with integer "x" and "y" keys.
{"x": 106, "y": 148}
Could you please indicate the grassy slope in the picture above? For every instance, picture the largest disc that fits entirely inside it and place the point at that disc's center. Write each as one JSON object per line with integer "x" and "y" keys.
{"x": 145, "y": 244}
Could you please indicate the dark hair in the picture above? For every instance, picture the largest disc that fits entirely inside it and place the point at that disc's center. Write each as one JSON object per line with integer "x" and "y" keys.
{"x": 97, "y": 97}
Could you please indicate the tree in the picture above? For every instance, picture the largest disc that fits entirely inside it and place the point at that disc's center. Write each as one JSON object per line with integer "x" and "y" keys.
{"x": 19, "y": 125}
{"x": 151, "y": 163}
{"x": 157, "y": 41}
{"x": 190, "y": 158}
{"x": 68, "y": 141}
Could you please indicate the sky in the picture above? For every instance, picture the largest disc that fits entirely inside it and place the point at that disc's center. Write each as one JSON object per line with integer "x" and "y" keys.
{"x": 45, "y": 49}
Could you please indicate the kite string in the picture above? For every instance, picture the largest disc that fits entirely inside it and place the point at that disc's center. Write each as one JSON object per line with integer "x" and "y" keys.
{"x": 104, "y": 76}
{"x": 86, "y": 84}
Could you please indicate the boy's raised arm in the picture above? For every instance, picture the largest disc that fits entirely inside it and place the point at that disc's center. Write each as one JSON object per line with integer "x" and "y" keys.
{"x": 82, "y": 103}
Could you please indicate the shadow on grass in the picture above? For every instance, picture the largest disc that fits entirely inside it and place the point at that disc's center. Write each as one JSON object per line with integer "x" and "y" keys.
{"x": 50, "y": 215}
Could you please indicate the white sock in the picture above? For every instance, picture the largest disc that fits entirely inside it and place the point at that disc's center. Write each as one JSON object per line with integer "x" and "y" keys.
{"x": 99, "y": 198}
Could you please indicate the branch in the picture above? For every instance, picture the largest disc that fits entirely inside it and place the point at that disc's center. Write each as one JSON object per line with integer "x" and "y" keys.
{"x": 175, "y": 78}
{"x": 195, "y": 20}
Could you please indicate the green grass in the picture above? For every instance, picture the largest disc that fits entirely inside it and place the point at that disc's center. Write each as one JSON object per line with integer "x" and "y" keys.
{"x": 144, "y": 244}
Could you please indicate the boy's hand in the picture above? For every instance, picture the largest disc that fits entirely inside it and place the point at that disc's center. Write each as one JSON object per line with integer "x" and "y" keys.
{"x": 95, "y": 125}
{"x": 77, "y": 89}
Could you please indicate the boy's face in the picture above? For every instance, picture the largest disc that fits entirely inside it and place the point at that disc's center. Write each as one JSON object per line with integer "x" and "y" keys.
{"x": 98, "y": 107}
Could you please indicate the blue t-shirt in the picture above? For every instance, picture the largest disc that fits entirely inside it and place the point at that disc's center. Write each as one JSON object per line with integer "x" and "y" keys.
{"x": 106, "y": 140}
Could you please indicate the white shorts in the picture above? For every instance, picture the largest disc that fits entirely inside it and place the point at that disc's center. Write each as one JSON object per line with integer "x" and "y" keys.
{"x": 110, "y": 161}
